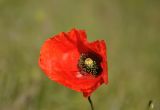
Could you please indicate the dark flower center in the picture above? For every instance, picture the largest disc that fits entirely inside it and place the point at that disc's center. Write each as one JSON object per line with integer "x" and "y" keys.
{"x": 89, "y": 63}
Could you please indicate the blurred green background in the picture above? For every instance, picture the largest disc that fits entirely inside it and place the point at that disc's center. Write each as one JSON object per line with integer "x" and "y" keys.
{"x": 131, "y": 29}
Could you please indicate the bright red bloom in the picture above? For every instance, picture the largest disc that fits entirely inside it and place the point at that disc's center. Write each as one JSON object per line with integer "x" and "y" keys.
{"x": 69, "y": 59}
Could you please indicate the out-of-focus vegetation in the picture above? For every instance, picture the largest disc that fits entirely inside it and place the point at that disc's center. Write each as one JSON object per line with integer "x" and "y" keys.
{"x": 131, "y": 29}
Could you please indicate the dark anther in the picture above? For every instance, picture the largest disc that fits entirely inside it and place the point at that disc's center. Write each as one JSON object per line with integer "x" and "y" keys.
{"x": 89, "y": 63}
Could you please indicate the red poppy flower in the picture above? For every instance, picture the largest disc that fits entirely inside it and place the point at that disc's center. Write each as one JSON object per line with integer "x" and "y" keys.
{"x": 69, "y": 59}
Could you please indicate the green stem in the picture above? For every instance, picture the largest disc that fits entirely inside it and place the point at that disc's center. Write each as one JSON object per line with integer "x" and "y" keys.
{"x": 90, "y": 101}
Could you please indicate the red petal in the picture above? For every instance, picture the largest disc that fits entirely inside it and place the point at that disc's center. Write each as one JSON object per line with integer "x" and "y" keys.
{"x": 100, "y": 48}
{"x": 59, "y": 58}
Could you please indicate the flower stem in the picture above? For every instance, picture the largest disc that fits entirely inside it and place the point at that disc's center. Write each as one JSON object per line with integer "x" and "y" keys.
{"x": 90, "y": 101}
{"x": 150, "y": 105}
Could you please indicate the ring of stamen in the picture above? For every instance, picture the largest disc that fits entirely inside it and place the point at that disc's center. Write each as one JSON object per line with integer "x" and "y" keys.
{"x": 89, "y": 63}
